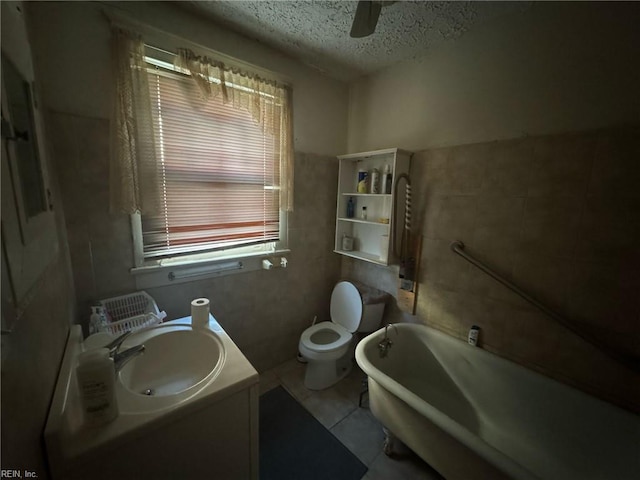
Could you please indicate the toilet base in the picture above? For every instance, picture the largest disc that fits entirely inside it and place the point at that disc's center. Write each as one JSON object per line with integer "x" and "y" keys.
{"x": 320, "y": 375}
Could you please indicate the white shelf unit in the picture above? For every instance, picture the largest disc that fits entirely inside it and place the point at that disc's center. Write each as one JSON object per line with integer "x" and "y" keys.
{"x": 368, "y": 234}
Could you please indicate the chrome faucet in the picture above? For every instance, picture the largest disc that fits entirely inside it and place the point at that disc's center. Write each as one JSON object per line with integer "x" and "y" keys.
{"x": 120, "y": 359}
{"x": 385, "y": 345}
{"x": 115, "y": 345}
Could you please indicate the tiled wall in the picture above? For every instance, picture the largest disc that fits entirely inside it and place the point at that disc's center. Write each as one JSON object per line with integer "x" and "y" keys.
{"x": 558, "y": 215}
{"x": 264, "y": 311}
{"x": 31, "y": 356}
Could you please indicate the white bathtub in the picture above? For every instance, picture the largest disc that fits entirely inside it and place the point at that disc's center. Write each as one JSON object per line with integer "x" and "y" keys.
{"x": 472, "y": 415}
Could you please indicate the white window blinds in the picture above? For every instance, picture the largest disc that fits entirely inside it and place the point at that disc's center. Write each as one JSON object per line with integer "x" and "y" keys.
{"x": 220, "y": 177}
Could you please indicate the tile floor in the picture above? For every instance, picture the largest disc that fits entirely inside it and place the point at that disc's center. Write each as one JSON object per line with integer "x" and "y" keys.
{"x": 337, "y": 409}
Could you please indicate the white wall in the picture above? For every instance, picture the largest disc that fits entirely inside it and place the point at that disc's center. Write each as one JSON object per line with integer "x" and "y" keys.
{"x": 72, "y": 48}
{"x": 556, "y": 67}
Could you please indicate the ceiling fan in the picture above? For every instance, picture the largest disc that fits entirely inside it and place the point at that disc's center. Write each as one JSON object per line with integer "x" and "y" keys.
{"x": 366, "y": 18}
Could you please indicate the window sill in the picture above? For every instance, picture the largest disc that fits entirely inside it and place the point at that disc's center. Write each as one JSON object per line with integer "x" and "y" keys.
{"x": 176, "y": 271}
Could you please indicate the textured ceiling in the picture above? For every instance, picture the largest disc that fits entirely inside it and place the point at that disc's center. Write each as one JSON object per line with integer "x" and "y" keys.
{"x": 317, "y": 32}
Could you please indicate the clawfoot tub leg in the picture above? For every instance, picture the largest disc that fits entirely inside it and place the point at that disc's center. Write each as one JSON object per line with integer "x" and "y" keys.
{"x": 389, "y": 442}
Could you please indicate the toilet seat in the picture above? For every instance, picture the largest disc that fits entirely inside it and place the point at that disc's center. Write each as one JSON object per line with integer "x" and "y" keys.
{"x": 328, "y": 346}
{"x": 343, "y": 339}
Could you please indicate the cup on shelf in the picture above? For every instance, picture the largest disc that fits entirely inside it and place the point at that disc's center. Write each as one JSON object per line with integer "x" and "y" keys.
{"x": 347, "y": 243}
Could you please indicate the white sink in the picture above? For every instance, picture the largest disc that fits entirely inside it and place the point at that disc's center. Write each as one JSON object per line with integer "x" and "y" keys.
{"x": 177, "y": 363}
{"x": 173, "y": 362}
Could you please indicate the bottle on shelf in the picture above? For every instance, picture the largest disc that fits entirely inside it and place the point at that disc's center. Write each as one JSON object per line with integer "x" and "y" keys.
{"x": 375, "y": 181}
{"x": 363, "y": 181}
{"x": 351, "y": 208}
{"x": 387, "y": 180}
{"x": 363, "y": 215}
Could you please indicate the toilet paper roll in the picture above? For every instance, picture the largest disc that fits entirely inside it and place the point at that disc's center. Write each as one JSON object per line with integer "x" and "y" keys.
{"x": 200, "y": 312}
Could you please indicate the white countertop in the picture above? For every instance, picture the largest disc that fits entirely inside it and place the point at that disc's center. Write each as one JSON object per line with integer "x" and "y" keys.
{"x": 68, "y": 440}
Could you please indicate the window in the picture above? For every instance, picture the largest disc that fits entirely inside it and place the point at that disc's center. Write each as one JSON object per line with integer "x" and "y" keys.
{"x": 221, "y": 170}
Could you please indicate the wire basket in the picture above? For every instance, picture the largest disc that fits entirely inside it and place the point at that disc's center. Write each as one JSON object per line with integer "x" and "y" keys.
{"x": 131, "y": 324}
{"x": 131, "y": 312}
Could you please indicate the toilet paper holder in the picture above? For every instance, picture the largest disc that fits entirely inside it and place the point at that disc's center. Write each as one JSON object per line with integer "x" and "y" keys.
{"x": 274, "y": 262}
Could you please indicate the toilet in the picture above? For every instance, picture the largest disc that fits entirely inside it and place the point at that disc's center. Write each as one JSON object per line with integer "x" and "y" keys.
{"x": 328, "y": 346}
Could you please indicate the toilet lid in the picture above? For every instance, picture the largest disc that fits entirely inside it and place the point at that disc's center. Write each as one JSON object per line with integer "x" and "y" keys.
{"x": 346, "y": 306}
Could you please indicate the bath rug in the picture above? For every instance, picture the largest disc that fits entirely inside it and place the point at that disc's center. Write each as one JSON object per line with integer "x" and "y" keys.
{"x": 295, "y": 446}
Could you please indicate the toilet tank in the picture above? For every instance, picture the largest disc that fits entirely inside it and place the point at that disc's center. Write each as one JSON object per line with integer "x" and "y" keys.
{"x": 373, "y": 303}
{"x": 371, "y": 317}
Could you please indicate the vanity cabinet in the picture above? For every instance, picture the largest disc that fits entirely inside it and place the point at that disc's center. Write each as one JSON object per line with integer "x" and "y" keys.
{"x": 371, "y": 237}
{"x": 209, "y": 432}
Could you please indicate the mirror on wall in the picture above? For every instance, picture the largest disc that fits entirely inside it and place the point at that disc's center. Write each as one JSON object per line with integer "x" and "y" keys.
{"x": 18, "y": 130}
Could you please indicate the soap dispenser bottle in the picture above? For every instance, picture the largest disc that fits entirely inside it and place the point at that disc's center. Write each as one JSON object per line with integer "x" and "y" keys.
{"x": 98, "y": 320}
{"x": 96, "y": 377}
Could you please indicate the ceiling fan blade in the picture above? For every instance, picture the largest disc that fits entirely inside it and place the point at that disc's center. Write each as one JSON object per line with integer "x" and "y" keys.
{"x": 366, "y": 19}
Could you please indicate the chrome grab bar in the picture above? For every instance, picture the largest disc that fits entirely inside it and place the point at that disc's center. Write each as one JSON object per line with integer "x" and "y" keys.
{"x": 633, "y": 363}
